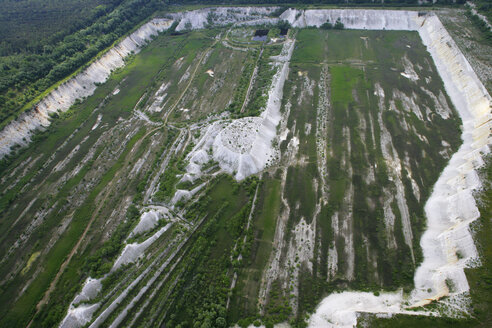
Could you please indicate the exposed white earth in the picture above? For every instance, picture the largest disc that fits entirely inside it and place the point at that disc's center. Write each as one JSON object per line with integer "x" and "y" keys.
{"x": 79, "y": 314}
{"x": 244, "y": 146}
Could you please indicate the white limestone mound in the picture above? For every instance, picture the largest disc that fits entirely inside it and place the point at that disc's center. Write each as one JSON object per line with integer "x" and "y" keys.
{"x": 149, "y": 221}
{"x": 181, "y": 194}
{"x": 79, "y": 316}
{"x": 90, "y": 290}
{"x": 19, "y": 132}
{"x": 244, "y": 146}
{"x": 340, "y": 310}
{"x": 133, "y": 251}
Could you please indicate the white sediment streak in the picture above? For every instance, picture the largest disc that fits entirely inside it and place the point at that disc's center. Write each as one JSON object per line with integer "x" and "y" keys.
{"x": 82, "y": 85}
{"x": 451, "y": 207}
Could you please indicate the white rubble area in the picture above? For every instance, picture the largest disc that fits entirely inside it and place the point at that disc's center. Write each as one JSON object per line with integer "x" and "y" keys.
{"x": 340, "y": 310}
{"x": 82, "y": 85}
{"x": 451, "y": 206}
{"x": 300, "y": 251}
{"x": 149, "y": 220}
{"x": 244, "y": 146}
{"x": 201, "y": 18}
{"x": 80, "y": 314}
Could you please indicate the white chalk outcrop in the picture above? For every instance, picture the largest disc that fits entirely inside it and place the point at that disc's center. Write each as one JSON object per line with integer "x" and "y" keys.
{"x": 451, "y": 206}
{"x": 340, "y": 310}
{"x": 201, "y": 18}
{"x": 359, "y": 19}
{"x": 133, "y": 251}
{"x": 244, "y": 146}
{"x": 80, "y": 314}
{"x": 82, "y": 85}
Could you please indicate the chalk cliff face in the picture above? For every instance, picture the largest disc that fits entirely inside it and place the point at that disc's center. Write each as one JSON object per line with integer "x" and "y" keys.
{"x": 82, "y": 85}
{"x": 354, "y": 18}
{"x": 221, "y": 16}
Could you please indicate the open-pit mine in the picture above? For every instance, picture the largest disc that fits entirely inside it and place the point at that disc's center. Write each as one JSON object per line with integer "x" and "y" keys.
{"x": 215, "y": 168}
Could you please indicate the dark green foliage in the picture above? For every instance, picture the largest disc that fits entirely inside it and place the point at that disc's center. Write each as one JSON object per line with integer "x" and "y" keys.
{"x": 326, "y": 26}
{"x": 283, "y": 25}
{"x": 167, "y": 182}
{"x": 45, "y": 62}
{"x": 278, "y": 308}
{"x": 199, "y": 298}
{"x": 339, "y": 25}
{"x": 481, "y": 25}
